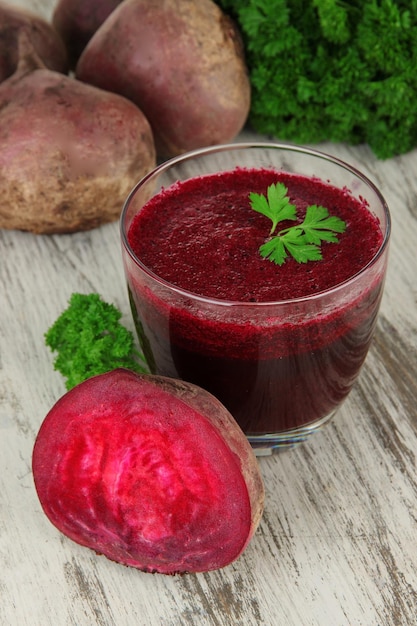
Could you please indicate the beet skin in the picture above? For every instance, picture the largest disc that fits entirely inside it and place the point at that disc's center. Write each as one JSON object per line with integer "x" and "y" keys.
{"x": 152, "y": 472}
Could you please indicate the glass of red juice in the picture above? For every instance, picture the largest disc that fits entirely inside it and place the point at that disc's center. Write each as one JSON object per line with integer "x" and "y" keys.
{"x": 279, "y": 345}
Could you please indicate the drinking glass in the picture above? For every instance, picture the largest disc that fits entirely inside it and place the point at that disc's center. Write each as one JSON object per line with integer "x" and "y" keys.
{"x": 281, "y": 368}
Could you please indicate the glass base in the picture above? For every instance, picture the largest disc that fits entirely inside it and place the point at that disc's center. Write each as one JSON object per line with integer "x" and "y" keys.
{"x": 265, "y": 445}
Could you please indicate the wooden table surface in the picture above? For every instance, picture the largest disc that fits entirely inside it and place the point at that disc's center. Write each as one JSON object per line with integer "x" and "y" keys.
{"x": 337, "y": 545}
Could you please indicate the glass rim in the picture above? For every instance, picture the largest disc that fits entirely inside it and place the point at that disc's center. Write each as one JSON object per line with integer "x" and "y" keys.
{"x": 228, "y": 147}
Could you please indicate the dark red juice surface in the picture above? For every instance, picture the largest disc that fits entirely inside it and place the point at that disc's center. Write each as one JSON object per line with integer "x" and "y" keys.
{"x": 282, "y": 367}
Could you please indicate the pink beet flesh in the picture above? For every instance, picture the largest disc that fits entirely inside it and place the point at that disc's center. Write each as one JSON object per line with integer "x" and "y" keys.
{"x": 129, "y": 466}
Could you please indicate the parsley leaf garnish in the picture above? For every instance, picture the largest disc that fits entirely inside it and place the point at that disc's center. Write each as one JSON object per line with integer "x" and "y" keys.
{"x": 302, "y": 241}
{"x": 277, "y": 207}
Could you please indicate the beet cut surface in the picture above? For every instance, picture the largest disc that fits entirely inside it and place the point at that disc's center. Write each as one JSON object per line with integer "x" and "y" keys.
{"x": 152, "y": 472}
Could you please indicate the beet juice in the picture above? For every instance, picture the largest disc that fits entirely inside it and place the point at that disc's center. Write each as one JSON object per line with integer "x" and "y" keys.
{"x": 279, "y": 345}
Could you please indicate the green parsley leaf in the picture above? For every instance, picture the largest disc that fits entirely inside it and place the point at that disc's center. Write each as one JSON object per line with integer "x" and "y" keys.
{"x": 274, "y": 250}
{"x": 319, "y": 226}
{"x": 277, "y": 207}
{"x": 293, "y": 241}
{"x": 301, "y": 241}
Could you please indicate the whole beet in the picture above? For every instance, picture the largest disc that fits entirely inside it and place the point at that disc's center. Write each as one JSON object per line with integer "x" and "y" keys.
{"x": 70, "y": 152}
{"x": 182, "y": 63}
{"x": 152, "y": 472}
{"x": 45, "y": 40}
{"x": 77, "y": 21}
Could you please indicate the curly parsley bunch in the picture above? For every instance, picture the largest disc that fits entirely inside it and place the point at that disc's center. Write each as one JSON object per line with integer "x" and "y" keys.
{"x": 89, "y": 340}
{"x": 332, "y": 70}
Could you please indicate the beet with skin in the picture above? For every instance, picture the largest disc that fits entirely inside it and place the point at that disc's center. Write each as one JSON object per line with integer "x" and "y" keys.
{"x": 77, "y": 21}
{"x": 44, "y": 38}
{"x": 152, "y": 472}
{"x": 70, "y": 152}
{"x": 182, "y": 63}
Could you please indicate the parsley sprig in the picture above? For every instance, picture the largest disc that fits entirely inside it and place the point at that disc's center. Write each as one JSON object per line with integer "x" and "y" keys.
{"x": 303, "y": 240}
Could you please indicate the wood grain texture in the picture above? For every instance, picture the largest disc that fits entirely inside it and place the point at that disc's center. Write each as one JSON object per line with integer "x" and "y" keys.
{"x": 337, "y": 545}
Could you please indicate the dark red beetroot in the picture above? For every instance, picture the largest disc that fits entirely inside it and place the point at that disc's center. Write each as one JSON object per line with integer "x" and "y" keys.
{"x": 44, "y": 39}
{"x": 70, "y": 153}
{"x": 151, "y": 472}
{"x": 78, "y": 20}
{"x": 181, "y": 63}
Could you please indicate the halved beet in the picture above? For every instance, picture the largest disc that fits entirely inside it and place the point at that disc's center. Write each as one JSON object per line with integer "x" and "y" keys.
{"x": 152, "y": 472}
